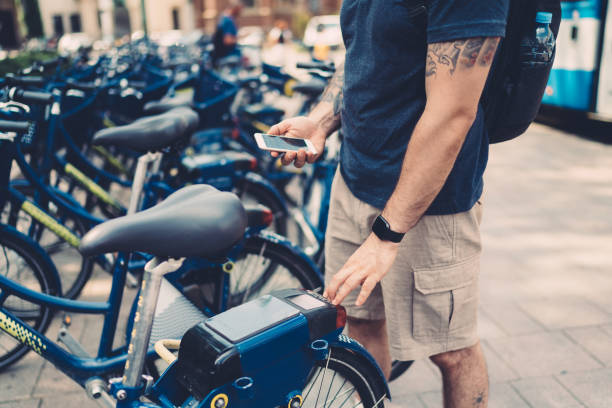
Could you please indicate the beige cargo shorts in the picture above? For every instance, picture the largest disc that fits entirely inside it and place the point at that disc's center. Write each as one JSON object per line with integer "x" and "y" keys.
{"x": 430, "y": 296}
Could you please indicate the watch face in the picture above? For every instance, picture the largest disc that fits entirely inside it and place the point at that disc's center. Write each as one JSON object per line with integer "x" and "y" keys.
{"x": 383, "y": 231}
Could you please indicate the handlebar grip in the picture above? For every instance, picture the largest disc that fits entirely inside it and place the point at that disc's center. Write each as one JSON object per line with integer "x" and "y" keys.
{"x": 330, "y": 67}
{"x": 12, "y": 126}
{"x": 82, "y": 86}
{"x": 36, "y": 81}
{"x": 30, "y": 97}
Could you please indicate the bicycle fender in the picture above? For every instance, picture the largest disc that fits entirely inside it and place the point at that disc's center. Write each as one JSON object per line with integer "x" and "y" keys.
{"x": 295, "y": 250}
{"x": 36, "y": 248}
{"x": 345, "y": 342}
{"x": 259, "y": 181}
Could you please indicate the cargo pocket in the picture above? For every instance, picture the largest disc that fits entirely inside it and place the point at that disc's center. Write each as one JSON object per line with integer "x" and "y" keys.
{"x": 445, "y": 301}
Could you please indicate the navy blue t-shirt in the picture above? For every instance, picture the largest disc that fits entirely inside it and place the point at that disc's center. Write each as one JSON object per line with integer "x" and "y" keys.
{"x": 384, "y": 92}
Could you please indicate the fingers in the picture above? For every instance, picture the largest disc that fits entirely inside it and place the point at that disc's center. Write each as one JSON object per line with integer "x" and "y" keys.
{"x": 366, "y": 289}
{"x": 311, "y": 157}
{"x": 288, "y": 158}
{"x": 350, "y": 284}
{"x": 300, "y": 159}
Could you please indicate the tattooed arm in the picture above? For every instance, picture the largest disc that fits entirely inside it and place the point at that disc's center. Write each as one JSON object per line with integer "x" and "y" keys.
{"x": 455, "y": 75}
{"x": 322, "y": 121}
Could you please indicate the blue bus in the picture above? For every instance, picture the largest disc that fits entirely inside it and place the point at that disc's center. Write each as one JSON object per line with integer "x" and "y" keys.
{"x": 581, "y": 78}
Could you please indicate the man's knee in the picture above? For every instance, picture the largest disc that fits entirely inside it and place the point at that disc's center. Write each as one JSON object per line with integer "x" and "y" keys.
{"x": 453, "y": 358}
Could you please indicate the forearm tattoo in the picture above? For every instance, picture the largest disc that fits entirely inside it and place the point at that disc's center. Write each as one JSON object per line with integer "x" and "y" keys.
{"x": 333, "y": 95}
{"x": 460, "y": 54}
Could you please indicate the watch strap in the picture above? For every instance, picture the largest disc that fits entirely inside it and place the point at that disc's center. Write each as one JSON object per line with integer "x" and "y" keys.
{"x": 384, "y": 232}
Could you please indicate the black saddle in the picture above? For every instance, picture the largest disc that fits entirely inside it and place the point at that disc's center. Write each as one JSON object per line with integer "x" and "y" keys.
{"x": 198, "y": 220}
{"x": 181, "y": 100}
{"x": 314, "y": 87}
{"x": 151, "y": 133}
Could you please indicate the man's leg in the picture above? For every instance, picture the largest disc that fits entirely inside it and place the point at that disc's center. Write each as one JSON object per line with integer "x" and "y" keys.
{"x": 464, "y": 376}
{"x": 372, "y": 334}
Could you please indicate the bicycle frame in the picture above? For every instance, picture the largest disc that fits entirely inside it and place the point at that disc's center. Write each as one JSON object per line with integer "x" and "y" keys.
{"x": 79, "y": 369}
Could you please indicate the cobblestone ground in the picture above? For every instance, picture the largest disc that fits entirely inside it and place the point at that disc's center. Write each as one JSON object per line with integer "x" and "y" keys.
{"x": 546, "y": 308}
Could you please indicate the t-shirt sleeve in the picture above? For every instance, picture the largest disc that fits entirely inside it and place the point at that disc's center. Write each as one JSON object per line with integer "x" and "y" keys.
{"x": 228, "y": 26}
{"x": 450, "y": 20}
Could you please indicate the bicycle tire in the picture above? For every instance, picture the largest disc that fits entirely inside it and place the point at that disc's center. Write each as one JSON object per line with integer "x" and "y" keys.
{"x": 349, "y": 367}
{"x": 72, "y": 286}
{"x": 303, "y": 273}
{"x": 262, "y": 196}
{"x": 43, "y": 272}
{"x": 398, "y": 368}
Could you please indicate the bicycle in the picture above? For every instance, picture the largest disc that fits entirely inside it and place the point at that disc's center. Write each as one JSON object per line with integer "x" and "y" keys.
{"x": 293, "y": 332}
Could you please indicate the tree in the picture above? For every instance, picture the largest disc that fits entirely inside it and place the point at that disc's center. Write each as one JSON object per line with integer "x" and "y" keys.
{"x": 31, "y": 17}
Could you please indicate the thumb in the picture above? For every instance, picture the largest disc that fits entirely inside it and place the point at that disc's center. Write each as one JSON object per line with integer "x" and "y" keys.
{"x": 280, "y": 128}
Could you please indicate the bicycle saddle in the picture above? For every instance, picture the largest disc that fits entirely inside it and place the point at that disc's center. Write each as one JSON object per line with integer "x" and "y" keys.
{"x": 151, "y": 133}
{"x": 164, "y": 105}
{"x": 198, "y": 220}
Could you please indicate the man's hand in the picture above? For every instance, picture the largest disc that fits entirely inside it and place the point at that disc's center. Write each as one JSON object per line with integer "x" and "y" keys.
{"x": 303, "y": 128}
{"x": 366, "y": 267}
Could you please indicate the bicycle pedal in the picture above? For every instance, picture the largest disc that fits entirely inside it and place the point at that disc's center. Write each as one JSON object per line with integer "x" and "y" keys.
{"x": 71, "y": 343}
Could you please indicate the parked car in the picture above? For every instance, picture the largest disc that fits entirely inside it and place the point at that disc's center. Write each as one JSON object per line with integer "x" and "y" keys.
{"x": 323, "y": 31}
{"x": 71, "y": 43}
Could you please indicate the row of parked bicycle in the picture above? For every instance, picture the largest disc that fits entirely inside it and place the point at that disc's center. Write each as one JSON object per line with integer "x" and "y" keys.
{"x": 146, "y": 168}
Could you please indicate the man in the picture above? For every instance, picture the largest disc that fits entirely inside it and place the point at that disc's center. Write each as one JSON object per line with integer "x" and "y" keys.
{"x": 414, "y": 152}
{"x": 225, "y": 37}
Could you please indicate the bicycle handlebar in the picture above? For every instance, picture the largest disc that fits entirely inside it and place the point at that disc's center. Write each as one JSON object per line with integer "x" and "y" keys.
{"x": 12, "y": 126}
{"x": 30, "y": 97}
{"x": 323, "y": 66}
{"x": 36, "y": 81}
{"x": 82, "y": 86}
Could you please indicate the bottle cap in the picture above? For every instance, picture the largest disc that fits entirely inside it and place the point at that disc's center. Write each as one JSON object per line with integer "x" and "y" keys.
{"x": 543, "y": 17}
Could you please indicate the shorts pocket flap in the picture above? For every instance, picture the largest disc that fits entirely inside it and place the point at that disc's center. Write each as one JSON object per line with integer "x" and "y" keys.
{"x": 444, "y": 278}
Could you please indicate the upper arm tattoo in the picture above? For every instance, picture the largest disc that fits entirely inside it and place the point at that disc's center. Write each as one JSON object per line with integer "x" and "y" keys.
{"x": 462, "y": 54}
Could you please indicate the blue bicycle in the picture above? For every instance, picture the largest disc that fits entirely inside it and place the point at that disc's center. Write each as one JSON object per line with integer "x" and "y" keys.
{"x": 281, "y": 350}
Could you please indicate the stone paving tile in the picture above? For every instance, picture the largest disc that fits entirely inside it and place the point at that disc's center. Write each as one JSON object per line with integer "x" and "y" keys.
{"x": 545, "y": 392}
{"x": 555, "y": 313}
{"x": 29, "y": 403}
{"x": 595, "y": 340}
{"x": 71, "y": 400}
{"x": 500, "y": 396}
{"x": 510, "y": 318}
{"x": 542, "y": 354}
{"x": 487, "y": 328}
{"x": 593, "y": 388}
{"x": 405, "y": 401}
{"x": 422, "y": 376}
{"x": 499, "y": 370}
{"x": 14, "y": 384}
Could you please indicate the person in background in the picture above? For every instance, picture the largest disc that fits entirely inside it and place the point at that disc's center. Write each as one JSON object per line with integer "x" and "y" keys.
{"x": 225, "y": 38}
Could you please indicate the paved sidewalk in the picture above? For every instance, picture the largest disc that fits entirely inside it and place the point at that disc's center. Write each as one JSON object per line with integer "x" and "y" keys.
{"x": 546, "y": 287}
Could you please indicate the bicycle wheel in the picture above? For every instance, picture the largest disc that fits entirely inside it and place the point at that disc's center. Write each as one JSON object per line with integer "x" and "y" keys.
{"x": 265, "y": 266}
{"x": 22, "y": 261}
{"x": 344, "y": 380}
{"x": 251, "y": 193}
{"x": 76, "y": 269}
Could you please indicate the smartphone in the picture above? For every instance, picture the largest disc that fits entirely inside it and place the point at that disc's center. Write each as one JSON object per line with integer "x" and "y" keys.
{"x": 283, "y": 143}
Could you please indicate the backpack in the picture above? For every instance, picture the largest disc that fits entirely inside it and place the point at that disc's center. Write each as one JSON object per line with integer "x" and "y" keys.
{"x": 513, "y": 93}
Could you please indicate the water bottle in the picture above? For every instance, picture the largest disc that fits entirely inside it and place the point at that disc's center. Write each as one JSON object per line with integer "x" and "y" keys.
{"x": 538, "y": 49}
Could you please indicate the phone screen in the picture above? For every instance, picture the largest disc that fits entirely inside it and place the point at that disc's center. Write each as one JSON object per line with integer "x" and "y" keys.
{"x": 284, "y": 143}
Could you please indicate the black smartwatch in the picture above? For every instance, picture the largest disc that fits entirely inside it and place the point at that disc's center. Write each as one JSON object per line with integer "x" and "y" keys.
{"x": 383, "y": 231}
